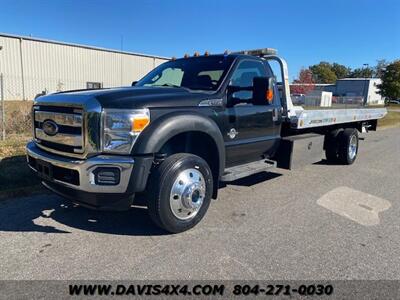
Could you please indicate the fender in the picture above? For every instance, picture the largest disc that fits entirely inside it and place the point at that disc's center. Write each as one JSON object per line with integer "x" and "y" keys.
{"x": 164, "y": 128}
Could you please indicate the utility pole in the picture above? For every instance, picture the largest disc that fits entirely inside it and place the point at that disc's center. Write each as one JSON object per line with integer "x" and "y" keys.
{"x": 365, "y": 83}
{"x": 22, "y": 68}
{"x": 121, "y": 58}
{"x": 3, "y": 114}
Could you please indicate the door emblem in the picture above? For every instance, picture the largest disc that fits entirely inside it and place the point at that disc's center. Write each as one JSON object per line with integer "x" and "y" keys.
{"x": 50, "y": 127}
{"x": 232, "y": 133}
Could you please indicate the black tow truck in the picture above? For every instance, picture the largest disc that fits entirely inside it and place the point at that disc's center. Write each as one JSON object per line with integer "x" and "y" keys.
{"x": 178, "y": 132}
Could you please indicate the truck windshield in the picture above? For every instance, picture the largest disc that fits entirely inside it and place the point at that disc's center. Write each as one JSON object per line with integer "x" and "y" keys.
{"x": 195, "y": 73}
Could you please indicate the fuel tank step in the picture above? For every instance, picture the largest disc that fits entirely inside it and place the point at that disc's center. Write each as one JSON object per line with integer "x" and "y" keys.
{"x": 240, "y": 171}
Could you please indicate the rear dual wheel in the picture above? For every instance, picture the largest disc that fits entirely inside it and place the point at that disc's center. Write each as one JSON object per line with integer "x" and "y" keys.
{"x": 348, "y": 146}
{"x": 342, "y": 146}
{"x": 180, "y": 191}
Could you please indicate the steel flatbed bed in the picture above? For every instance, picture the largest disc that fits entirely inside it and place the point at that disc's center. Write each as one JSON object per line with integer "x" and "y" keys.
{"x": 325, "y": 117}
{"x": 300, "y": 118}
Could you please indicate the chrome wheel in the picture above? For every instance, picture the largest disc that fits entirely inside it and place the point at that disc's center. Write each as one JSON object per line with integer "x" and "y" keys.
{"x": 353, "y": 147}
{"x": 187, "y": 194}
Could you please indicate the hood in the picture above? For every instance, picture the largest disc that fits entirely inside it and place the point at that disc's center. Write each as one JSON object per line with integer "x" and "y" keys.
{"x": 135, "y": 97}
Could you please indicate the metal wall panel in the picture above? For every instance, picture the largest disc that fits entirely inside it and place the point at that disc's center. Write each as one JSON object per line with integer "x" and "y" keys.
{"x": 59, "y": 67}
{"x": 10, "y": 67}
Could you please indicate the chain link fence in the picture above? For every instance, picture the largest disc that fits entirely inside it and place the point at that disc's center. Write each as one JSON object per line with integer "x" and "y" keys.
{"x": 17, "y": 94}
{"x": 27, "y": 87}
{"x": 317, "y": 100}
{"x": 345, "y": 93}
{"x": 2, "y": 108}
{"x": 15, "y": 115}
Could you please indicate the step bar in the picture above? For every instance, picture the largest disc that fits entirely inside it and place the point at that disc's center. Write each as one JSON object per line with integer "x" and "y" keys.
{"x": 241, "y": 171}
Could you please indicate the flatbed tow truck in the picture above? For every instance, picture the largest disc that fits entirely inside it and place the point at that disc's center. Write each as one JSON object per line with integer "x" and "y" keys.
{"x": 178, "y": 132}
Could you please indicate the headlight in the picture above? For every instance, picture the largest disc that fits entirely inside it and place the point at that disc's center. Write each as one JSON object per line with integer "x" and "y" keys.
{"x": 121, "y": 128}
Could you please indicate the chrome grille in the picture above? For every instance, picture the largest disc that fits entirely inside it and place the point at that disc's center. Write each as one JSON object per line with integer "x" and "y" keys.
{"x": 69, "y": 137}
{"x": 74, "y": 120}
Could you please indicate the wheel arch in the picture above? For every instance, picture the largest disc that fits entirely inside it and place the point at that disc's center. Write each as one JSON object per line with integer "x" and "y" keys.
{"x": 185, "y": 125}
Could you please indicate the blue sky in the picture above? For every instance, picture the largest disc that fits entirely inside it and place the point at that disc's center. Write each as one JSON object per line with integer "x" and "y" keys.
{"x": 351, "y": 32}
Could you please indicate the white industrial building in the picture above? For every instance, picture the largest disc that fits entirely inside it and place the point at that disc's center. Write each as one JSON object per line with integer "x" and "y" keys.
{"x": 367, "y": 88}
{"x": 30, "y": 66}
{"x": 345, "y": 91}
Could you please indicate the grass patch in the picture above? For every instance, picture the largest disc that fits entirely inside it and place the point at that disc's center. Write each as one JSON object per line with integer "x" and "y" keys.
{"x": 16, "y": 178}
{"x": 18, "y": 117}
{"x": 392, "y": 119}
{"x": 14, "y": 145}
{"x": 393, "y": 105}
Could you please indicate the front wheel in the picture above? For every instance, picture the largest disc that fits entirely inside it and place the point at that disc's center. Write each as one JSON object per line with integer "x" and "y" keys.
{"x": 180, "y": 188}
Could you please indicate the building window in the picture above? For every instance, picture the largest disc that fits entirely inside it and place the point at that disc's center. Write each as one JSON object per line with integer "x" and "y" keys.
{"x": 94, "y": 85}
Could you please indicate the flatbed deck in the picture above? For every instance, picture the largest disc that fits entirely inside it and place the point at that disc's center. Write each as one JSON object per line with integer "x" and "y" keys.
{"x": 301, "y": 118}
{"x": 316, "y": 118}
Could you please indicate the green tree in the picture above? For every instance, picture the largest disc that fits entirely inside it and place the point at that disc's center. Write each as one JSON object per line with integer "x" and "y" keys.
{"x": 380, "y": 67}
{"x": 340, "y": 71}
{"x": 362, "y": 73}
{"x": 390, "y": 86}
{"x": 323, "y": 73}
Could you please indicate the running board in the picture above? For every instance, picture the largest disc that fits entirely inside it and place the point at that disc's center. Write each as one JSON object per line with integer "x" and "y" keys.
{"x": 240, "y": 171}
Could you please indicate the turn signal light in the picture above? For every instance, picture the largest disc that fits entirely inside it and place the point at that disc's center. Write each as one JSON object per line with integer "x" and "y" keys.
{"x": 140, "y": 123}
{"x": 270, "y": 95}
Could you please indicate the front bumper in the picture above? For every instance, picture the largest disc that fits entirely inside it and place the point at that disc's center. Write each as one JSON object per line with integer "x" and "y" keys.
{"x": 75, "y": 178}
{"x": 85, "y": 168}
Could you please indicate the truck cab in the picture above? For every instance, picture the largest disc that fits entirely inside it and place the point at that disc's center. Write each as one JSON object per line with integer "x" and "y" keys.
{"x": 170, "y": 138}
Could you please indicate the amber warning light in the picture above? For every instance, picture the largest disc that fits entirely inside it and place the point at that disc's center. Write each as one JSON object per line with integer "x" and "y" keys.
{"x": 269, "y": 95}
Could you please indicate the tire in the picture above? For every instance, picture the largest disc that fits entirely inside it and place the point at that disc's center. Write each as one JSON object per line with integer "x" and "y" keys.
{"x": 348, "y": 146}
{"x": 332, "y": 147}
{"x": 180, "y": 191}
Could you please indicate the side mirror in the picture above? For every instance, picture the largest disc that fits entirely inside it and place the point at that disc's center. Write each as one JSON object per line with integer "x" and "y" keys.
{"x": 263, "y": 90}
{"x": 231, "y": 90}
{"x": 134, "y": 83}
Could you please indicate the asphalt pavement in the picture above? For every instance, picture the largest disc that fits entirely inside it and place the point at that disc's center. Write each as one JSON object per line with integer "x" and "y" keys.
{"x": 319, "y": 222}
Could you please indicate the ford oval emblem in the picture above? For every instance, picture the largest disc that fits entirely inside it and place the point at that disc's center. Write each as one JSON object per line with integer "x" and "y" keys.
{"x": 50, "y": 127}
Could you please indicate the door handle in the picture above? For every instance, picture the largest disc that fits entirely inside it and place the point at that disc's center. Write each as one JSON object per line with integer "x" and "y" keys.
{"x": 275, "y": 114}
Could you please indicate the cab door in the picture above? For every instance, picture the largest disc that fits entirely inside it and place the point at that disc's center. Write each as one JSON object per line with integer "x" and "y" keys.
{"x": 253, "y": 130}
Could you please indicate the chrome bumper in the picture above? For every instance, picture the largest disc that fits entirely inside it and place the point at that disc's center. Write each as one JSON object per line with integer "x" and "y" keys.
{"x": 85, "y": 169}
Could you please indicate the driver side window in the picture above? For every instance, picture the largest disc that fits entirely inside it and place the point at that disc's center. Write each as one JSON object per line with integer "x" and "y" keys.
{"x": 243, "y": 77}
